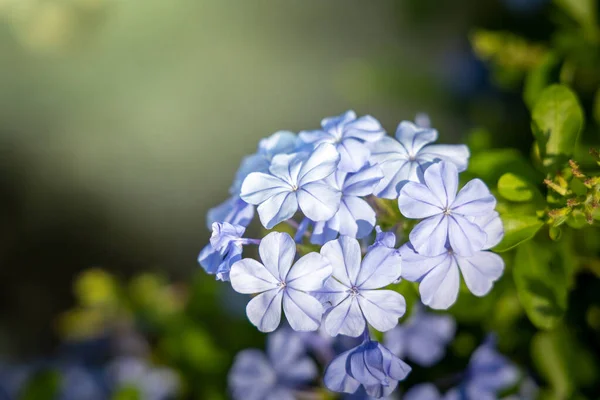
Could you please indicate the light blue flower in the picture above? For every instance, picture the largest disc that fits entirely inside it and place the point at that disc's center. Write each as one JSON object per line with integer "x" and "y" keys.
{"x": 488, "y": 373}
{"x": 78, "y": 382}
{"x": 439, "y": 275}
{"x": 408, "y": 156}
{"x": 151, "y": 382}
{"x": 447, "y": 215}
{"x": 422, "y": 338}
{"x": 387, "y": 239}
{"x": 285, "y": 368}
{"x": 233, "y": 210}
{"x": 279, "y": 282}
{"x": 351, "y": 292}
{"x": 281, "y": 142}
{"x": 350, "y": 135}
{"x": 371, "y": 365}
{"x": 355, "y": 217}
{"x": 224, "y": 249}
{"x": 295, "y": 180}
{"x": 423, "y": 391}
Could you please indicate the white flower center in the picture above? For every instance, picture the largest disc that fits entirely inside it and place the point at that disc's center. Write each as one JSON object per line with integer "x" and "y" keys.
{"x": 353, "y": 291}
{"x": 447, "y": 211}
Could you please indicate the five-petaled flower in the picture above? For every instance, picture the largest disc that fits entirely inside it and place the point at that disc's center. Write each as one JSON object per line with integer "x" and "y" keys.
{"x": 278, "y": 281}
{"x": 447, "y": 215}
{"x": 351, "y": 291}
{"x": 408, "y": 156}
{"x": 295, "y": 180}
{"x": 350, "y": 135}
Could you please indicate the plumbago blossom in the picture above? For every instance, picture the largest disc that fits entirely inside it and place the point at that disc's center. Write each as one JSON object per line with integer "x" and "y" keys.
{"x": 330, "y": 187}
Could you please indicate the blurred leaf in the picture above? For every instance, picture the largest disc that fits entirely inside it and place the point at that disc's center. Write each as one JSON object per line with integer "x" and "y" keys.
{"x": 514, "y": 188}
{"x": 542, "y": 271}
{"x": 597, "y": 107}
{"x": 557, "y": 119}
{"x": 538, "y": 79}
{"x": 127, "y": 393}
{"x": 582, "y": 11}
{"x": 506, "y": 49}
{"x": 43, "y": 386}
{"x": 520, "y": 224}
{"x": 492, "y": 164}
{"x": 479, "y": 140}
{"x": 96, "y": 287}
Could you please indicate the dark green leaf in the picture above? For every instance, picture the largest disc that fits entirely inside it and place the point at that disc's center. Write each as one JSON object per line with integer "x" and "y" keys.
{"x": 520, "y": 224}
{"x": 514, "y": 188}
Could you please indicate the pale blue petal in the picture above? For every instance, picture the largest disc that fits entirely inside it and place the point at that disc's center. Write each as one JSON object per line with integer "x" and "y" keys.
{"x": 345, "y": 222}
{"x": 464, "y": 236}
{"x": 387, "y": 239}
{"x": 319, "y": 201}
{"x": 280, "y": 393}
{"x": 457, "y": 154}
{"x": 382, "y": 308}
{"x": 442, "y": 181}
{"x": 248, "y": 276}
{"x": 491, "y": 224}
{"x": 251, "y": 376}
{"x": 366, "y": 366}
{"x": 344, "y": 255}
{"x": 320, "y": 164}
{"x": 259, "y": 187}
{"x": 365, "y": 128}
{"x": 387, "y": 149}
{"x": 439, "y": 288}
{"x": 336, "y": 378}
{"x": 233, "y": 210}
{"x": 480, "y": 271}
{"x": 357, "y": 218}
{"x": 264, "y": 310}
{"x": 427, "y": 336}
{"x": 337, "y": 123}
{"x": 224, "y": 233}
{"x": 415, "y": 266}
{"x": 302, "y": 229}
{"x": 252, "y": 163}
{"x": 422, "y": 120}
{"x": 332, "y": 293}
{"x": 284, "y": 348}
{"x": 277, "y": 251}
{"x": 210, "y": 259}
{"x": 380, "y": 267}
{"x": 354, "y": 155}
{"x": 309, "y": 273}
{"x": 300, "y": 372}
{"x": 278, "y": 143}
{"x": 395, "y": 174}
{"x": 324, "y": 231}
{"x": 277, "y": 209}
{"x": 219, "y": 263}
{"x": 287, "y": 167}
{"x": 417, "y": 201}
{"x": 345, "y": 318}
{"x": 490, "y": 370}
{"x": 429, "y": 236}
{"x": 424, "y": 391}
{"x": 474, "y": 199}
{"x": 316, "y": 136}
{"x": 414, "y": 137}
{"x": 303, "y": 312}
{"x": 393, "y": 366}
{"x": 363, "y": 182}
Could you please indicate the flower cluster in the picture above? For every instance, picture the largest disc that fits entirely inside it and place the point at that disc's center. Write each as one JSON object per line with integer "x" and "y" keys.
{"x": 327, "y": 187}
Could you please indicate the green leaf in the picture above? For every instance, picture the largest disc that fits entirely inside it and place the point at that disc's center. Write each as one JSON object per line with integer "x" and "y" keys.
{"x": 597, "y": 107}
{"x": 557, "y": 119}
{"x": 507, "y": 50}
{"x": 539, "y": 78}
{"x": 514, "y": 188}
{"x": 43, "y": 385}
{"x": 582, "y": 11}
{"x": 492, "y": 164}
{"x": 542, "y": 273}
{"x": 520, "y": 224}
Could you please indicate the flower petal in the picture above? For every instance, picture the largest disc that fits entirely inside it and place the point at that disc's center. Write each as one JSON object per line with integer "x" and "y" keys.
{"x": 393, "y": 366}
{"x": 491, "y": 224}
{"x": 439, "y": 288}
{"x": 423, "y": 391}
{"x": 251, "y": 375}
{"x": 302, "y": 311}
{"x": 324, "y": 231}
{"x": 319, "y": 201}
{"x": 234, "y": 210}
{"x": 331, "y": 294}
{"x": 287, "y": 167}
{"x": 365, "y": 128}
{"x": 344, "y": 255}
{"x": 320, "y": 164}
{"x": 277, "y": 251}
{"x": 442, "y": 181}
{"x": 345, "y": 318}
{"x": 277, "y": 209}
{"x": 387, "y": 149}
{"x": 474, "y": 199}
{"x": 338, "y": 122}
{"x": 382, "y": 308}
{"x": 264, "y": 310}
{"x": 414, "y": 137}
{"x": 336, "y": 378}
{"x": 316, "y": 137}
{"x": 417, "y": 201}
{"x": 457, "y": 154}
{"x": 429, "y": 236}
{"x": 395, "y": 174}
{"x": 354, "y": 155}
{"x": 380, "y": 267}
{"x": 464, "y": 236}
{"x": 259, "y": 187}
{"x": 248, "y": 276}
{"x": 415, "y": 266}
{"x": 309, "y": 273}
{"x": 357, "y": 218}
{"x": 480, "y": 271}
{"x": 363, "y": 182}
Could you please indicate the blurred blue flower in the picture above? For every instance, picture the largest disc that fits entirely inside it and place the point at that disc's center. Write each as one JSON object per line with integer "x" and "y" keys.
{"x": 371, "y": 365}
{"x": 13, "y": 379}
{"x": 422, "y": 338}
{"x": 439, "y": 276}
{"x": 295, "y": 180}
{"x": 152, "y": 383}
{"x": 349, "y": 135}
{"x": 423, "y": 391}
{"x": 355, "y": 217}
{"x": 279, "y": 282}
{"x": 408, "y": 156}
{"x": 281, "y": 142}
{"x": 78, "y": 382}
{"x": 233, "y": 210}
{"x": 350, "y": 292}
{"x": 285, "y": 367}
{"x": 446, "y": 214}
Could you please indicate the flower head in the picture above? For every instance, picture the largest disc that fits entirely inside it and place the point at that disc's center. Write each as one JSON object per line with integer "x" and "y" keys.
{"x": 408, "y": 156}
{"x": 349, "y": 135}
{"x": 224, "y": 249}
{"x": 447, "y": 215}
{"x": 294, "y": 180}
{"x": 355, "y": 217}
{"x": 371, "y": 365}
{"x": 279, "y": 282}
{"x": 152, "y": 383}
{"x": 351, "y": 292}
{"x": 422, "y": 338}
{"x": 439, "y": 276}
{"x": 285, "y": 367}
